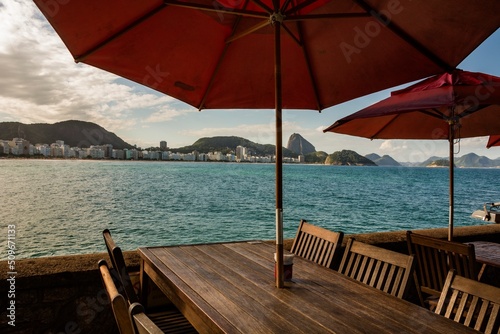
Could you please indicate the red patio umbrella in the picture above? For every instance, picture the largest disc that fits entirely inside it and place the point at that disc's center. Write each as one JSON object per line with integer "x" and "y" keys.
{"x": 494, "y": 140}
{"x": 300, "y": 54}
{"x": 449, "y": 106}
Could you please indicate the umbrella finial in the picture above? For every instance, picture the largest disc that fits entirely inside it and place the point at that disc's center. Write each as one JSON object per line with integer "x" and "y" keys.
{"x": 276, "y": 17}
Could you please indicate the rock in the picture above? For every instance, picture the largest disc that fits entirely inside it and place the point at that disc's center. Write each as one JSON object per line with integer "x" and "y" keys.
{"x": 298, "y": 145}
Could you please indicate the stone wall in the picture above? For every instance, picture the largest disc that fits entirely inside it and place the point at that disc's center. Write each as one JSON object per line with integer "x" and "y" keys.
{"x": 64, "y": 294}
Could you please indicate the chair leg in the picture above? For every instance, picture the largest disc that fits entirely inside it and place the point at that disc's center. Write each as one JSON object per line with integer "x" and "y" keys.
{"x": 481, "y": 272}
{"x": 419, "y": 292}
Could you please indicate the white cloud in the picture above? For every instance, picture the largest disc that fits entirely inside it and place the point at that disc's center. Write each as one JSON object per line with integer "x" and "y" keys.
{"x": 166, "y": 114}
{"x": 41, "y": 83}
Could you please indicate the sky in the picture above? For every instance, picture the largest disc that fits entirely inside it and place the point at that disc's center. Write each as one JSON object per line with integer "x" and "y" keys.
{"x": 40, "y": 83}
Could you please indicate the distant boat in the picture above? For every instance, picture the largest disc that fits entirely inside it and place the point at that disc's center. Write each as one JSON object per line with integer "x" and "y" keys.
{"x": 490, "y": 212}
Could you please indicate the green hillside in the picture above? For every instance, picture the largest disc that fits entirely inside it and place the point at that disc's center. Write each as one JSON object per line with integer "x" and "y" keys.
{"x": 349, "y": 158}
{"x": 73, "y": 133}
{"x": 226, "y": 144}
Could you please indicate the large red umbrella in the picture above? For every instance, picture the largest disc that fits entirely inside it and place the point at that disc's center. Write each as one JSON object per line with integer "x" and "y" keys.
{"x": 494, "y": 140}
{"x": 449, "y": 106}
{"x": 300, "y": 54}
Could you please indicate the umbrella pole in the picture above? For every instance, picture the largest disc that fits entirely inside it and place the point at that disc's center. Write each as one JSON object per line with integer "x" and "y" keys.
{"x": 279, "y": 157}
{"x": 452, "y": 167}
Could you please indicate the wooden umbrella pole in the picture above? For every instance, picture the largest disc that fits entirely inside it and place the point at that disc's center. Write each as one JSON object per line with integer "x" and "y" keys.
{"x": 279, "y": 156}
{"x": 451, "y": 138}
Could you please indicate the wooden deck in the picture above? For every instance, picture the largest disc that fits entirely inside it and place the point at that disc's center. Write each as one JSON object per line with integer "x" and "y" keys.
{"x": 230, "y": 288}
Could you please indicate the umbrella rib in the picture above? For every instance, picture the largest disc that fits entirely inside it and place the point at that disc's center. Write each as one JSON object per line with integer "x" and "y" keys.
{"x": 219, "y": 63}
{"x": 309, "y": 69}
{"x": 222, "y": 10}
{"x": 292, "y": 36}
{"x": 285, "y": 5}
{"x": 299, "y": 7}
{"x": 436, "y": 113}
{"x": 404, "y": 35}
{"x": 131, "y": 26}
{"x": 263, "y": 6}
{"x": 325, "y": 16}
{"x": 384, "y": 127}
{"x": 471, "y": 110}
{"x": 248, "y": 31}
{"x": 492, "y": 141}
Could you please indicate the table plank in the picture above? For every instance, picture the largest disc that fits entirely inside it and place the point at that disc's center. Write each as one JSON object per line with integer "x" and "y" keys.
{"x": 201, "y": 279}
{"x": 356, "y": 297}
{"x": 236, "y": 279}
{"x": 487, "y": 252}
{"x": 201, "y": 315}
{"x": 258, "y": 282}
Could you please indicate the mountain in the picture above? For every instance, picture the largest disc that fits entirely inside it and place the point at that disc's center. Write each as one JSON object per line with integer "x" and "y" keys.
{"x": 317, "y": 157}
{"x": 298, "y": 145}
{"x": 439, "y": 163}
{"x": 349, "y": 158}
{"x": 474, "y": 160}
{"x": 468, "y": 160}
{"x": 429, "y": 161}
{"x": 226, "y": 144}
{"x": 382, "y": 160}
{"x": 73, "y": 133}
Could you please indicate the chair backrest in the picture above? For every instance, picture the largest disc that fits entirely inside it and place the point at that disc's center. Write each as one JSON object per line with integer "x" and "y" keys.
{"x": 469, "y": 302}
{"x": 380, "y": 268}
{"x": 118, "y": 303}
{"x": 435, "y": 257}
{"x": 316, "y": 243}
{"x": 118, "y": 262}
{"x": 141, "y": 322}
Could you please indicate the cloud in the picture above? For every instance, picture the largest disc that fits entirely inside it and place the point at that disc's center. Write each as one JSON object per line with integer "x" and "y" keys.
{"x": 166, "y": 114}
{"x": 41, "y": 83}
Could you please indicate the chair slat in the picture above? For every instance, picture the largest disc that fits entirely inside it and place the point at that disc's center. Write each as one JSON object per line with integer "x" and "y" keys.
{"x": 380, "y": 268}
{"x": 471, "y": 303}
{"x": 317, "y": 244}
{"x": 435, "y": 257}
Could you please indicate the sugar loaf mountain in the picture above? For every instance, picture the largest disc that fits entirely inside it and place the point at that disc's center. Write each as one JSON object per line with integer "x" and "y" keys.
{"x": 84, "y": 134}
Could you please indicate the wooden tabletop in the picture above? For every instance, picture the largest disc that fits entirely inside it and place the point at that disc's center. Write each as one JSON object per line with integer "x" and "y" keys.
{"x": 487, "y": 252}
{"x": 229, "y": 288}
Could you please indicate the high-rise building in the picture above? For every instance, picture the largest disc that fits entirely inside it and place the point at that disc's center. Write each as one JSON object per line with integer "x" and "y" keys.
{"x": 241, "y": 152}
{"x": 163, "y": 145}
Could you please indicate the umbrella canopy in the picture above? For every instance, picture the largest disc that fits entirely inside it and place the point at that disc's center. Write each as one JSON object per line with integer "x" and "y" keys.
{"x": 301, "y": 54}
{"x": 449, "y": 106}
{"x": 494, "y": 140}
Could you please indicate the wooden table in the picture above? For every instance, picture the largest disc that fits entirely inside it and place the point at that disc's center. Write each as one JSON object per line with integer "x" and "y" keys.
{"x": 488, "y": 255}
{"x": 487, "y": 252}
{"x": 229, "y": 288}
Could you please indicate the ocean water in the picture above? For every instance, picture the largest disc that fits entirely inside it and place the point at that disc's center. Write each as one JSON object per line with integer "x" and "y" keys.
{"x": 60, "y": 207}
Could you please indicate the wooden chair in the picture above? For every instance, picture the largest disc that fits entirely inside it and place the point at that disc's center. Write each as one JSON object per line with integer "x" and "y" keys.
{"x": 141, "y": 322}
{"x": 118, "y": 262}
{"x": 167, "y": 318}
{"x": 118, "y": 303}
{"x": 435, "y": 257}
{"x": 317, "y": 244}
{"x": 380, "y": 268}
{"x": 471, "y": 303}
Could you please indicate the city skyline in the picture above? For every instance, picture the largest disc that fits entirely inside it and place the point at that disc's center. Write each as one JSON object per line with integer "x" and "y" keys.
{"x": 42, "y": 84}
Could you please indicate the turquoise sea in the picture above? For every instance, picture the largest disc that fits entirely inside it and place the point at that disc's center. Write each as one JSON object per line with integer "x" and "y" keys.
{"x": 60, "y": 207}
